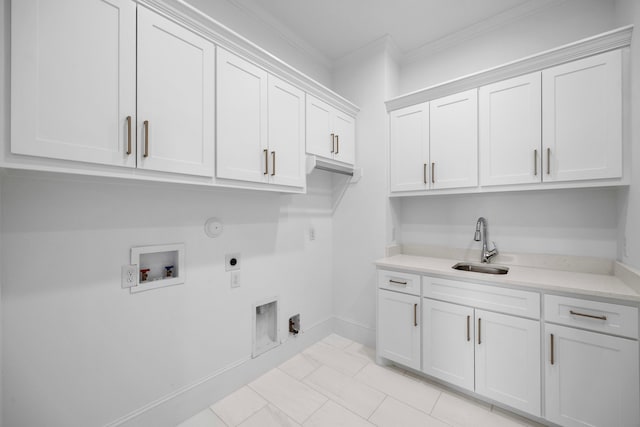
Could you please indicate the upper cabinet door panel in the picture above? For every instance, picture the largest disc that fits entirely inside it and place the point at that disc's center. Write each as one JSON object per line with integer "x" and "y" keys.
{"x": 454, "y": 140}
{"x": 242, "y": 120}
{"x": 286, "y": 133}
{"x": 319, "y": 128}
{"x": 510, "y": 131}
{"x": 582, "y": 119}
{"x": 409, "y": 148}
{"x": 344, "y": 127}
{"x": 73, "y": 79}
{"x": 176, "y": 96}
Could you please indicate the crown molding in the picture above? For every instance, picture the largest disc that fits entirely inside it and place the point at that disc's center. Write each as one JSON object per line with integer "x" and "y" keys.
{"x": 194, "y": 20}
{"x": 615, "y": 39}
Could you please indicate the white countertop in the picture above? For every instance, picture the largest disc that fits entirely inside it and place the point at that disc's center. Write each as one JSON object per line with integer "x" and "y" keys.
{"x": 600, "y": 285}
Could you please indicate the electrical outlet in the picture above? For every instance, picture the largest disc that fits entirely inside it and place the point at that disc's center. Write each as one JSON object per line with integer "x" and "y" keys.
{"x": 312, "y": 233}
{"x": 129, "y": 275}
{"x": 235, "y": 279}
{"x": 232, "y": 262}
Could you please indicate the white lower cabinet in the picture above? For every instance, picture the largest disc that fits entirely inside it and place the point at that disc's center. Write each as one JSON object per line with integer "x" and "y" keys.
{"x": 399, "y": 328}
{"x": 591, "y": 378}
{"x": 494, "y": 354}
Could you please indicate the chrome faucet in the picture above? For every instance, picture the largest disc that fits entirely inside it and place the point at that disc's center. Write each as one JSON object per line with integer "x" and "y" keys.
{"x": 486, "y": 253}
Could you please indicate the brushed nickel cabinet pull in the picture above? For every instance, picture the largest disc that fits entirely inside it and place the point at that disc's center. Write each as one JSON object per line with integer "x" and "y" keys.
{"x": 468, "y": 328}
{"x": 397, "y": 282}
{"x": 535, "y": 162}
{"x": 591, "y": 316}
{"x": 337, "y": 144}
{"x": 333, "y": 142}
{"x": 128, "y": 135}
{"x": 433, "y": 172}
{"x": 415, "y": 314}
{"x": 548, "y": 161}
{"x": 146, "y": 138}
{"x": 479, "y": 331}
{"x": 552, "y": 350}
{"x": 424, "y": 173}
{"x": 266, "y": 161}
{"x": 273, "y": 158}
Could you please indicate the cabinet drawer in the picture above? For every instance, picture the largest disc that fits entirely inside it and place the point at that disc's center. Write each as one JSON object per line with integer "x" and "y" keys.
{"x": 597, "y": 316}
{"x": 401, "y": 282}
{"x": 492, "y": 298}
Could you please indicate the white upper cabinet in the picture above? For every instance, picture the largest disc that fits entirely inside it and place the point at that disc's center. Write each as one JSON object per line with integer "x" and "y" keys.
{"x": 409, "y": 148}
{"x": 454, "y": 140}
{"x": 176, "y": 97}
{"x": 510, "y": 131}
{"x": 241, "y": 148}
{"x": 73, "y": 80}
{"x": 260, "y": 125}
{"x": 330, "y": 132}
{"x": 286, "y": 133}
{"x": 582, "y": 119}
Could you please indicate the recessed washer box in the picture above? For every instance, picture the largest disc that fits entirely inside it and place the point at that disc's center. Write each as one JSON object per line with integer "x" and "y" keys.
{"x": 158, "y": 266}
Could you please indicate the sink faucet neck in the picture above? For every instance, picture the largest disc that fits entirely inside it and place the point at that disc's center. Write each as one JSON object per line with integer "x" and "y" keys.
{"x": 486, "y": 253}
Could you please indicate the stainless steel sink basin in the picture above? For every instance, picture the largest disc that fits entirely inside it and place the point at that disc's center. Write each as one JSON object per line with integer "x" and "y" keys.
{"x": 477, "y": 268}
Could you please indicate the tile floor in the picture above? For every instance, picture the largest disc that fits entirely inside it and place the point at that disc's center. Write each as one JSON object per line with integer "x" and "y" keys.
{"x": 336, "y": 382}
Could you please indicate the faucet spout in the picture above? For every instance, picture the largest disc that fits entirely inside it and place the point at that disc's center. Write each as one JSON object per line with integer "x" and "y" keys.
{"x": 486, "y": 253}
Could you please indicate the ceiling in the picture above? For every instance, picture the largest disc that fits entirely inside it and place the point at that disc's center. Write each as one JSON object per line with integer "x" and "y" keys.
{"x": 336, "y": 28}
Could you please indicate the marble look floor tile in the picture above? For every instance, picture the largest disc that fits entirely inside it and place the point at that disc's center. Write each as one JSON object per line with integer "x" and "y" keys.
{"x": 345, "y": 390}
{"x": 461, "y": 412}
{"x": 205, "y": 418}
{"x": 337, "y": 341}
{"x": 360, "y": 350}
{"x": 296, "y": 399}
{"x": 335, "y": 358}
{"x": 238, "y": 406}
{"x": 420, "y": 395}
{"x": 299, "y": 366}
{"x": 269, "y": 416}
{"x": 393, "y": 413}
{"x": 334, "y": 415}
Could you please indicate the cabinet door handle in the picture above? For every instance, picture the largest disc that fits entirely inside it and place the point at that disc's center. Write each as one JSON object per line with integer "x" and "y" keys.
{"x": 333, "y": 143}
{"x": 397, "y": 282}
{"x": 433, "y": 172}
{"x": 128, "y": 135}
{"x": 468, "y": 328}
{"x": 479, "y": 331}
{"x": 535, "y": 162}
{"x": 548, "y": 161}
{"x": 337, "y": 144}
{"x": 415, "y": 314}
{"x": 266, "y": 161}
{"x": 273, "y": 158}
{"x": 424, "y": 173}
{"x": 146, "y": 138}
{"x": 591, "y": 316}
{"x": 552, "y": 350}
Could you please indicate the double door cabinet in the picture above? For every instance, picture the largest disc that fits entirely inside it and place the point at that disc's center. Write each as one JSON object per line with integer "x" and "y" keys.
{"x": 560, "y": 124}
{"x": 330, "y": 132}
{"x": 494, "y": 341}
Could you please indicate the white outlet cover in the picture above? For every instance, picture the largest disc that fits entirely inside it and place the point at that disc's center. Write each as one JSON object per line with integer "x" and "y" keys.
{"x": 213, "y": 227}
{"x": 129, "y": 275}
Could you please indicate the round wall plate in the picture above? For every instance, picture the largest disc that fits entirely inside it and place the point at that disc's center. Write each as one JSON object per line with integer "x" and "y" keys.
{"x": 213, "y": 227}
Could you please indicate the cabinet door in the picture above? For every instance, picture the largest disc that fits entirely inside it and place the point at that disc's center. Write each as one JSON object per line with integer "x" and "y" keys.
{"x": 582, "y": 119}
{"x": 344, "y": 127}
{"x": 591, "y": 379}
{"x": 73, "y": 79}
{"x": 320, "y": 140}
{"x": 447, "y": 342}
{"x": 399, "y": 328}
{"x": 409, "y": 148}
{"x": 508, "y": 360}
{"x": 510, "y": 131}
{"x": 176, "y": 97}
{"x": 454, "y": 140}
{"x": 241, "y": 148}
{"x": 286, "y": 133}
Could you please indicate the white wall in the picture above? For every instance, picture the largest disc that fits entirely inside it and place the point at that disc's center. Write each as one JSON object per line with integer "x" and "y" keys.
{"x": 269, "y": 35}
{"x": 572, "y": 222}
{"x": 359, "y": 222}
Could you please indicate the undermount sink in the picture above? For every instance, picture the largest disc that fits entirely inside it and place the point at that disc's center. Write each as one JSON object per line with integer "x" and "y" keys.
{"x": 487, "y": 269}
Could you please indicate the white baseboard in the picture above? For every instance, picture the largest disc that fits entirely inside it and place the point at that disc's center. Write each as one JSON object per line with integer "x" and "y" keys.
{"x": 172, "y": 409}
{"x": 355, "y": 331}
